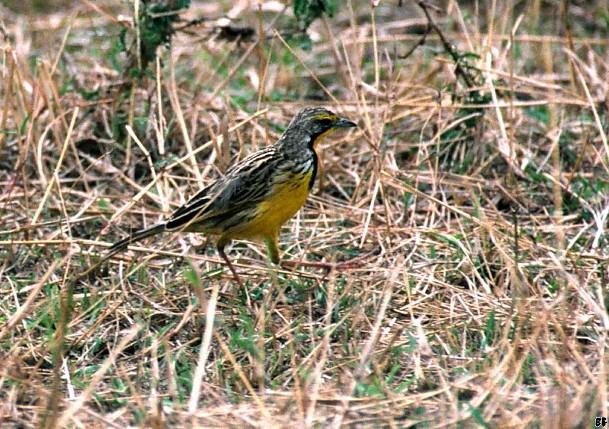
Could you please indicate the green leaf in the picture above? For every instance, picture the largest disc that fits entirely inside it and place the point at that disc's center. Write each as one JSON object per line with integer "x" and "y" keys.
{"x": 307, "y": 11}
{"x": 489, "y": 330}
{"x": 477, "y": 416}
{"x": 192, "y": 276}
{"x": 103, "y": 204}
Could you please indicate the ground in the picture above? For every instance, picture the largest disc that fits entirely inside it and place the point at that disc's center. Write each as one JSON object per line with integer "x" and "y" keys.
{"x": 458, "y": 256}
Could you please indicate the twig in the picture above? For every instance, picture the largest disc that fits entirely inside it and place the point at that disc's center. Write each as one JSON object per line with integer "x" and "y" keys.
{"x": 448, "y": 47}
{"x": 421, "y": 42}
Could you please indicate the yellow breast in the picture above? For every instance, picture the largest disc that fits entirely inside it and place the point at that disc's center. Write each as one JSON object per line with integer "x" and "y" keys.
{"x": 283, "y": 202}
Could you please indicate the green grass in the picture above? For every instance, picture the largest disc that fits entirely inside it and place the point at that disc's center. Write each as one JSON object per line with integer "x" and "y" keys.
{"x": 475, "y": 277}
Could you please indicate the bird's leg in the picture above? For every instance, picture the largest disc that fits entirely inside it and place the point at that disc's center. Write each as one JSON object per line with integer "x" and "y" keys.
{"x": 272, "y": 248}
{"x": 221, "y": 244}
{"x": 273, "y": 252}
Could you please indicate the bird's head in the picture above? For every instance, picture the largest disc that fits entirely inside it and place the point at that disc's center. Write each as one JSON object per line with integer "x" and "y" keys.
{"x": 311, "y": 124}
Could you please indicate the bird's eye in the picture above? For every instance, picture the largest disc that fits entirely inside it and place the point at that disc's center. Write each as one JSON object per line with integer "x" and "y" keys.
{"x": 325, "y": 122}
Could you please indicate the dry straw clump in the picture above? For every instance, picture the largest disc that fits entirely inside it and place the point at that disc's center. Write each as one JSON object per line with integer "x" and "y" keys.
{"x": 458, "y": 264}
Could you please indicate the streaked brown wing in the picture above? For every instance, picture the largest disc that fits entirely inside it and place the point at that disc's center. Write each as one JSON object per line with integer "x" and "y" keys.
{"x": 218, "y": 205}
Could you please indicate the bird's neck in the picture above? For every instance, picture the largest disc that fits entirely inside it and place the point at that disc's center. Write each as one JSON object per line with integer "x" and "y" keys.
{"x": 317, "y": 138}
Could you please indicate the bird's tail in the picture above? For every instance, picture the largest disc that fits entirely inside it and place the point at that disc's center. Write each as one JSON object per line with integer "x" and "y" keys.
{"x": 136, "y": 236}
{"x": 122, "y": 245}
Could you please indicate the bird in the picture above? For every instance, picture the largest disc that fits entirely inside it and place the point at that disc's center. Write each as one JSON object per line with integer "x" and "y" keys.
{"x": 257, "y": 195}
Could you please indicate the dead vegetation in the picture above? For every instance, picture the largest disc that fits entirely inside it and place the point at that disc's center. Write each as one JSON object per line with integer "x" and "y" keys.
{"x": 469, "y": 209}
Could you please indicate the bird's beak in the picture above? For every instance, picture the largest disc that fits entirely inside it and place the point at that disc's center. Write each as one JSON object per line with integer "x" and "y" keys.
{"x": 344, "y": 123}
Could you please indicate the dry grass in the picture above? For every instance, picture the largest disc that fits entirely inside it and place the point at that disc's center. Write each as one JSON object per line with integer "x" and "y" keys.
{"x": 472, "y": 205}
